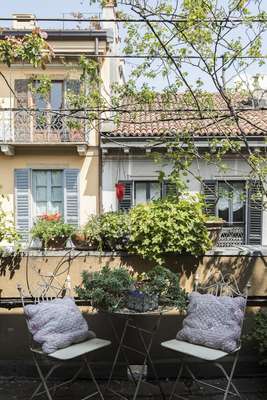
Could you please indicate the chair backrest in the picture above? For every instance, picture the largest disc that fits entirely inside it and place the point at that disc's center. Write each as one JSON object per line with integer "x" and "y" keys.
{"x": 47, "y": 287}
{"x": 225, "y": 285}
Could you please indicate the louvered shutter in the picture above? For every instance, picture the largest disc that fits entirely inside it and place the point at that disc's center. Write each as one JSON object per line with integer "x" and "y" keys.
{"x": 22, "y": 118}
{"x": 22, "y": 202}
{"x": 254, "y": 223}
{"x": 71, "y": 197}
{"x": 168, "y": 189}
{"x": 210, "y": 192}
{"x": 126, "y": 203}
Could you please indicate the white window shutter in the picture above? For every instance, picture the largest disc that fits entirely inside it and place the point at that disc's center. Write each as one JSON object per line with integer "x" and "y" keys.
{"x": 71, "y": 197}
{"x": 22, "y": 202}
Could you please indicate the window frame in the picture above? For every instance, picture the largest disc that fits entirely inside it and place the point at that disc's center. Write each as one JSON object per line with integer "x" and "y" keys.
{"x": 147, "y": 182}
{"x": 49, "y": 189}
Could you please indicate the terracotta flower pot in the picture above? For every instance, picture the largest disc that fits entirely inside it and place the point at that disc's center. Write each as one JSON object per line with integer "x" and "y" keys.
{"x": 81, "y": 242}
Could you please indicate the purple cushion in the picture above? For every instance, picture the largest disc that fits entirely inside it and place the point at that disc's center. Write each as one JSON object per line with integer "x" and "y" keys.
{"x": 213, "y": 321}
{"x": 57, "y": 324}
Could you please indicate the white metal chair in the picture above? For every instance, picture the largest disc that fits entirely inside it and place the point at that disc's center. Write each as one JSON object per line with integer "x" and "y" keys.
{"x": 227, "y": 285}
{"x": 50, "y": 288}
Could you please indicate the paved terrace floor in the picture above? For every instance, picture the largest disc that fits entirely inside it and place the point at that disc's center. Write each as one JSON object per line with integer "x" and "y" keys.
{"x": 20, "y": 389}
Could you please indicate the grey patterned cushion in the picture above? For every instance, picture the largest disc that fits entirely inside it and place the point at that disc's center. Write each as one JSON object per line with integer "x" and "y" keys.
{"x": 213, "y": 321}
{"x": 57, "y": 324}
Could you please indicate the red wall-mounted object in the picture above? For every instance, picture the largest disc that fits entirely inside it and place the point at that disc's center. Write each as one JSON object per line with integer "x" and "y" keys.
{"x": 120, "y": 191}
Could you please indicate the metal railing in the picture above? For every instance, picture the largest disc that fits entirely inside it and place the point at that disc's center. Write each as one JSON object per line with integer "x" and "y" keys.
{"x": 46, "y": 126}
{"x": 231, "y": 236}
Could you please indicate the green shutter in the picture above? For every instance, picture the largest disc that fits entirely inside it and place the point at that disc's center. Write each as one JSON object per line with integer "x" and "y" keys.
{"x": 126, "y": 203}
{"x": 71, "y": 189}
{"x": 22, "y": 202}
{"x": 210, "y": 192}
{"x": 168, "y": 189}
{"x": 255, "y": 208}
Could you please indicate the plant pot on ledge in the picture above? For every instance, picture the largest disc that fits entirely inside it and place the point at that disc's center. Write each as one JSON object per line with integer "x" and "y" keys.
{"x": 56, "y": 243}
{"x": 82, "y": 243}
{"x": 214, "y": 227}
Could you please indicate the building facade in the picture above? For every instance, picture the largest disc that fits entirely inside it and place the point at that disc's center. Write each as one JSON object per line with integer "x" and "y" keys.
{"x": 48, "y": 164}
{"x": 128, "y": 158}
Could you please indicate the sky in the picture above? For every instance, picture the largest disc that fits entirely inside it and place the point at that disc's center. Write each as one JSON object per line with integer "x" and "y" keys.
{"x": 56, "y": 8}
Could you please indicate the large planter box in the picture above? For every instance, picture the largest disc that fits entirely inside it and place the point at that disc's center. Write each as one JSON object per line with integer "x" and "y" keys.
{"x": 142, "y": 302}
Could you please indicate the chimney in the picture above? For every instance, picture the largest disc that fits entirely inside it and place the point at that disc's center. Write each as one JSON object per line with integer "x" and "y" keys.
{"x": 24, "y": 21}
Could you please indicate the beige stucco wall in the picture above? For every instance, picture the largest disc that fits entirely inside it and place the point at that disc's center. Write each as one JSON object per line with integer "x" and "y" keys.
{"x": 53, "y": 157}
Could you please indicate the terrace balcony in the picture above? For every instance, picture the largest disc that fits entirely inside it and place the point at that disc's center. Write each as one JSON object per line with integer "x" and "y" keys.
{"x": 19, "y": 127}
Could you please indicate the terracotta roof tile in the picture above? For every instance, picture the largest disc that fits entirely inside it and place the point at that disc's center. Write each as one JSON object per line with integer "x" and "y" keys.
{"x": 159, "y": 119}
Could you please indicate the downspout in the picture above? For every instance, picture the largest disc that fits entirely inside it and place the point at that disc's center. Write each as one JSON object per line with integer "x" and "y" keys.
{"x": 98, "y": 142}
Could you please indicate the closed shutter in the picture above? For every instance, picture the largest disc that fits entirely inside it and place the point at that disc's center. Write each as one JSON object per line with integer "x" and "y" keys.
{"x": 22, "y": 202}
{"x": 168, "y": 189}
{"x": 126, "y": 203}
{"x": 255, "y": 206}
{"x": 22, "y": 118}
{"x": 72, "y": 204}
{"x": 210, "y": 192}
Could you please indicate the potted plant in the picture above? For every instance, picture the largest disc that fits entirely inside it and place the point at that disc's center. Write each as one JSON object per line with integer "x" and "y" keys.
{"x": 88, "y": 237}
{"x": 51, "y": 230}
{"x": 114, "y": 230}
{"x": 214, "y": 225}
{"x": 106, "y": 289}
{"x": 169, "y": 226}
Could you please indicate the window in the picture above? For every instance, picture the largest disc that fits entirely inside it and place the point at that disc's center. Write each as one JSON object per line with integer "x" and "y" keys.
{"x": 146, "y": 191}
{"x": 231, "y": 204}
{"x": 137, "y": 192}
{"x": 48, "y": 193}
{"x": 54, "y": 101}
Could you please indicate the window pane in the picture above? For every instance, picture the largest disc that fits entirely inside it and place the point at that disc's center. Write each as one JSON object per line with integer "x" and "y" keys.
{"x": 41, "y": 178}
{"x": 57, "y": 194}
{"x": 56, "y": 207}
{"x": 140, "y": 192}
{"x": 41, "y": 208}
{"x": 223, "y": 202}
{"x": 238, "y": 202}
{"x": 56, "y": 177}
{"x": 154, "y": 190}
{"x": 56, "y": 95}
{"x": 41, "y": 194}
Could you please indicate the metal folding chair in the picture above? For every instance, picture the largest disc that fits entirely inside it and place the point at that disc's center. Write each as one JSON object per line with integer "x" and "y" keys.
{"x": 50, "y": 288}
{"x": 227, "y": 285}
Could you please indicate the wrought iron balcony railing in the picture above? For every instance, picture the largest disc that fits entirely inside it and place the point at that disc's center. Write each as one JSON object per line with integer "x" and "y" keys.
{"x": 232, "y": 236}
{"x": 46, "y": 126}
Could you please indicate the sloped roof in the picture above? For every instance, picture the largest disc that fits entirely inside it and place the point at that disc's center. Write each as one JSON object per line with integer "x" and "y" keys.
{"x": 176, "y": 116}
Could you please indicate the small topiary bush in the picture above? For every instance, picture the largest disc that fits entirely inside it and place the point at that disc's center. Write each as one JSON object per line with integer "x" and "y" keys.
{"x": 169, "y": 226}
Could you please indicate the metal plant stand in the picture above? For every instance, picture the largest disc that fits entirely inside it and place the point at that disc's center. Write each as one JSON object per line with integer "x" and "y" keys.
{"x": 132, "y": 322}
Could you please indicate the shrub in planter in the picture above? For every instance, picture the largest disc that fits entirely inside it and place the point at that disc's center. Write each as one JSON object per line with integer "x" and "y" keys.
{"x": 258, "y": 335}
{"x": 9, "y": 237}
{"x": 169, "y": 226}
{"x": 106, "y": 289}
{"x": 88, "y": 237}
{"x": 114, "y": 230}
{"x": 52, "y": 231}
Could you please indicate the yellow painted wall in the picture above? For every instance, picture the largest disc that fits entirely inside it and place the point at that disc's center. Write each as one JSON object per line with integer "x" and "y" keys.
{"x": 54, "y": 158}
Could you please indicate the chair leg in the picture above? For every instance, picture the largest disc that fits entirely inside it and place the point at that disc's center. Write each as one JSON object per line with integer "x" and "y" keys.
{"x": 229, "y": 377}
{"x": 93, "y": 378}
{"x": 177, "y": 380}
{"x": 43, "y": 378}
